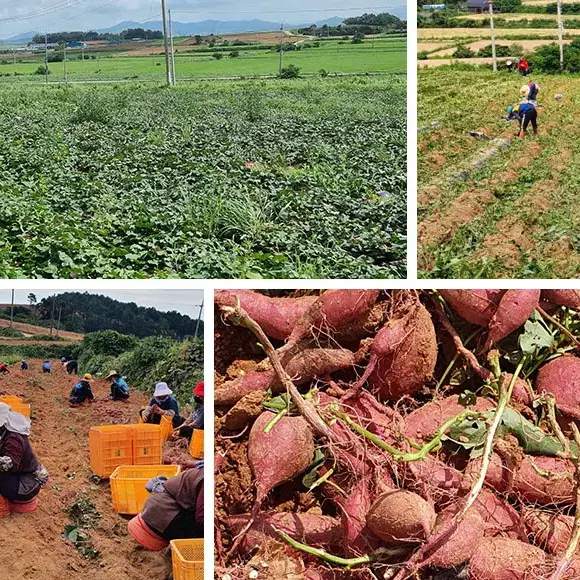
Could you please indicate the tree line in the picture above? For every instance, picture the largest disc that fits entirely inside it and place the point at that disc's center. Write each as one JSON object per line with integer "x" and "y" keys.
{"x": 91, "y": 35}
{"x": 365, "y": 24}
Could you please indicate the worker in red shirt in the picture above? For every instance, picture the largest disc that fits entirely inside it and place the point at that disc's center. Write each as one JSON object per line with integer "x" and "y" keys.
{"x": 524, "y": 66}
{"x": 4, "y": 368}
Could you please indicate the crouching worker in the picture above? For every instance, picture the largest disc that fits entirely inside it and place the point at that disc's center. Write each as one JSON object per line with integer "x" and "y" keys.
{"x": 173, "y": 511}
{"x": 21, "y": 474}
{"x": 23, "y": 365}
{"x": 524, "y": 113}
{"x": 82, "y": 391}
{"x": 46, "y": 366}
{"x": 162, "y": 403}
{"x": 71, "y": 366}
{"x": 195, "y": 421}
{"x": 119, "y": 387}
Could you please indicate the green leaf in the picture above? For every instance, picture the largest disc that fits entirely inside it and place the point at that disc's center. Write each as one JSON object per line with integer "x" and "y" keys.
{"x": 311, "y": 475}
{"x": 535, "y": 337}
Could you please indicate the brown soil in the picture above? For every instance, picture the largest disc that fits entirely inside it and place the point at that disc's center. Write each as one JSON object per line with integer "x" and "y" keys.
{"x": 442, "y": 225}
{"x": 31, "y": 544}
{"x": 32, "y": 329}
{"x": 19, "y": 341}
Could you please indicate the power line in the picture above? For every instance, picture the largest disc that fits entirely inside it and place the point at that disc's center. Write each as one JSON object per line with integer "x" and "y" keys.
{"x": 61, "y": 5}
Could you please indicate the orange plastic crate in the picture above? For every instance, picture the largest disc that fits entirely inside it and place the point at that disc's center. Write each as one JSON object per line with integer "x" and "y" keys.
{"x": 166, "y": 427}
{"x": 187, "y": 557}
{"x": 128, "y": 485}
{"x": 22, "y": 408}
{"x": 110, "y": 446}
{"x": 10, "y": 399}
{"x": 196, "y": 444}
{"x": 147, "y": 444}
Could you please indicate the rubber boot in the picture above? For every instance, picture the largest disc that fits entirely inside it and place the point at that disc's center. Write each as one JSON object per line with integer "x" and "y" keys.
{"x": 4, "y": 507}
{"x": 522, "y": 134}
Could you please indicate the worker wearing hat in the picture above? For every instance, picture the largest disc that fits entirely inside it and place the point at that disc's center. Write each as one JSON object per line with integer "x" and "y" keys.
{"x": 82, "y": 391}
{"x": 195, "y": 421}
{"x": 525, "y": 113}
{"x": 119, "y": 387}
{"x": 162, "y": 403}
{"x": 21, "y": 474}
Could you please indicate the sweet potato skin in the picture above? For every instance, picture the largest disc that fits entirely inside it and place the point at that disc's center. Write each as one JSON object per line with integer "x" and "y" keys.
{"x": 280, "y": 455}
{"x": 568, "y": 298}
{"x": 549, "y": 531}
{"x": 507, "y": 559}
{"x": 276, "y": 316}
{"x": 410, "y": 365}
{"x": 401, "y": 516}
{"x": 514, "y": 308}
{"x": 475, "y": 306}
{"x": 561, "y": 378}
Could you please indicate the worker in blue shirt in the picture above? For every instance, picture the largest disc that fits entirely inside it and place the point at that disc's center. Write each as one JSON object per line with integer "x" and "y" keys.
{"x": 46, "y": 366}
{"x": 525, "y": 113}
{"x": 162, "y": 403}
{"x": 81, "y": 391}
{"x": 119, "y": 388}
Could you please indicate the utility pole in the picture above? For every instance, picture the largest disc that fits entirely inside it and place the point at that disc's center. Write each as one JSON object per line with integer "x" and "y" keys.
{"x": 281, "y": 41}
{"x": 64, "y": 62}
{"x": 14, "y": 57}
{"x": 52, "y": 313}
{"x": 45, "y": 57}
{"x": 59, "y": 315}
{"x": 12, "y": 310}
{"x": 561, "y": 34}
{"x": 493, "y": 54}
{"x": 172, "y": 49}
{"x": 166, "y": 44}
{"x": 198, "y": 318}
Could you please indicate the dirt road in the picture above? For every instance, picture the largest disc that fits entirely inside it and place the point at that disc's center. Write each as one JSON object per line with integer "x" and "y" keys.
{"x": 30, "y": 544}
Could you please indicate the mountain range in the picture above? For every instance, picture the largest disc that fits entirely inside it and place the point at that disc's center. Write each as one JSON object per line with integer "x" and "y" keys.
{"x": 192, "y": 28}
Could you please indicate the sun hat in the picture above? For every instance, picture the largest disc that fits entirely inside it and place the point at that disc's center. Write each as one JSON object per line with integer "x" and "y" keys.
{"x": 162, "y": 390}
{"x": 87, "y": 377}
{"x": 14, "y": 422}
{"x": 113, "y": 374}
{"x": 198, "y": 389}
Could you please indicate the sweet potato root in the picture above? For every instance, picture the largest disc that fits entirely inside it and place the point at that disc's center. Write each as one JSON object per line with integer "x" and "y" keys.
{"x": 506, "y": 559}
{"x": 276, "y": 316}
{"x": 561, "y": 378}
{"x": 475, "y": 306}
{"x": 549, "y": 531}
{"x": 568, "y": 298}
{"x": 401, "y": 516}
{"x": 280, "y": 455}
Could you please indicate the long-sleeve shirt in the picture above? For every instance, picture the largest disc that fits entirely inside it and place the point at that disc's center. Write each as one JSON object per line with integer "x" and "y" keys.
{"x": 82, "y": 391}
{"x": 18, "y": 448}
{"x": 121, "y": 384}
{"x": 170, "y": 407}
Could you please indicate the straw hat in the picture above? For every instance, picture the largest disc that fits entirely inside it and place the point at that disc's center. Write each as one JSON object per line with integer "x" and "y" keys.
{"x": 87, "y": 377}
{"x": 113, "y": 374}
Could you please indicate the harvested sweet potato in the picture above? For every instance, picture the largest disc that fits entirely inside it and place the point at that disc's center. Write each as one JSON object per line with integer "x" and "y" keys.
{"x": 401, "y": 516}
{"x": 568, "y": 298}
{"x": 549, "y": 531}
{"x": 561, "y": 378}
{"x": 475, "y": 306}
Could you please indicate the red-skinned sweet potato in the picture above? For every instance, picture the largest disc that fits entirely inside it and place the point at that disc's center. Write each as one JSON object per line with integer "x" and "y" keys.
{"x": 554, "y": 485}
{"x": 314, "y": 530}
{"x": 561, "y": 378}
{"x": 549, "y": 531}
{"x": 404, "y": 361}
{"x": 401, "y": 516}
{"x": 424, "y": 422}
{"x": 475, "y": 306}
{"x": 280, "y": 455}
{"x": 276, "y": 316}
{"x": 507, "y": 559}
{"x": 515, "y": 307}
{"x": 568, "y": 298}
{"x": 302, "y": 368}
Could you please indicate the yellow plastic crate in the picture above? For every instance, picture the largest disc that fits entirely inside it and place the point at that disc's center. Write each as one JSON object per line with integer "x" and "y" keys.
{"x": 196, "y": 444}
{"x": 147, "y": 444}
{"x": 187, "y": 557}
{"x": 128, "y": 485}
{"x": 22, "y": 408}
{"x": 110, "y": 446}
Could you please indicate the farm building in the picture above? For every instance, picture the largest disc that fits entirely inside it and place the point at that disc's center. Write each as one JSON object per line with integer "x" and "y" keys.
{"x": 42, "y": 46}
{"x": 478, "y": 6}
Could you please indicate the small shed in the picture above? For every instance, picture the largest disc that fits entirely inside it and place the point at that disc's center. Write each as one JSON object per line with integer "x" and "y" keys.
{"x": 478, "y": 6}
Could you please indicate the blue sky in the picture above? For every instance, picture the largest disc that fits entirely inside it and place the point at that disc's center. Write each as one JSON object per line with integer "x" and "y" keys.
{"x": 184, "y": 301}
{"x": 56, "y": 15}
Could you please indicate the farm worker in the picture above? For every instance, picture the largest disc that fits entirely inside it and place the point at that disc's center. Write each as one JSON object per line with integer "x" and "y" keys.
{"x": 23, "y": 365}
{"x": 72, "y": 366}
{"x": 21, "y": 474}
{"x": 195, "y": 421}
{"x": 4, "y": 368}
{"x": 173, "y": 511}
{"x": 525, "y": 113}
{"x": 63, "y": 360}
{"x": 530, "y": 92}
{"x": 46, "y": 366}
{"x": 82, "y": 391}
{"x": 162, "y": 403}
{"x": 523, "y": 66}
{"x": 510, "y": 65}
{"x": 119, "y": 387}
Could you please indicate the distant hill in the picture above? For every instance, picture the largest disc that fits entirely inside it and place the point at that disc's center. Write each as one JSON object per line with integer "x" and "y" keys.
{"x": 82, "y": 312}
